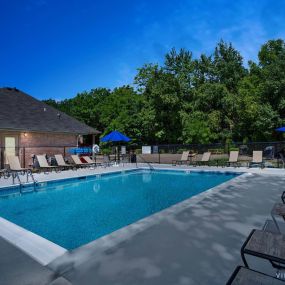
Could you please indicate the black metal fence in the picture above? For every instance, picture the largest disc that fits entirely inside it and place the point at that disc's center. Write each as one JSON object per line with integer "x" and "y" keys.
{"x": 271, "y": 149}
{"x": 273, "y": 152}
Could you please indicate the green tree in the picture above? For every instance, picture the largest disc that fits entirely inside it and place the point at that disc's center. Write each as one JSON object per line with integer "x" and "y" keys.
{"x": 212, "y": 98}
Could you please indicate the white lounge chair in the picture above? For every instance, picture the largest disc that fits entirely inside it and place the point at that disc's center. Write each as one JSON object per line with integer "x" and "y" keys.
{"x": 233, "y": 159}
{"x": 204, "y": 160}
{"x": 61, "y": 163}
{"x": 257, "y": 158}
{"x": 89, "y": 160}
{"x": 184, "y": 158}
{"x": 16, "y": 169}
{"x": 44, "y": 164}
{"x": 78, "y": 162}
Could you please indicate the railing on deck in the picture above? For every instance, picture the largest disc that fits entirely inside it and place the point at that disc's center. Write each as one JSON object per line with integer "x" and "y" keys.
{"x": 273, "y": 152}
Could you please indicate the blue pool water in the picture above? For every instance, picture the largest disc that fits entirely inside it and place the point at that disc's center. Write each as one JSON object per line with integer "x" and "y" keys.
{"x": 72, "y": 213}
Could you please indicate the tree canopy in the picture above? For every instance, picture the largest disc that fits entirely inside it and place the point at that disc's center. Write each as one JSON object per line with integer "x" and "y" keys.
{"x": 193, "y": 100}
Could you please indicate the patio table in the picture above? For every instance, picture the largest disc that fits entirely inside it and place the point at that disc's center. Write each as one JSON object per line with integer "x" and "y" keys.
{"x": 265, "y": 245}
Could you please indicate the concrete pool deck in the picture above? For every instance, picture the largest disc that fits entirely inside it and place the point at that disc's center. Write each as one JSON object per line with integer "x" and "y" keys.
{"x": 196, "y": 243}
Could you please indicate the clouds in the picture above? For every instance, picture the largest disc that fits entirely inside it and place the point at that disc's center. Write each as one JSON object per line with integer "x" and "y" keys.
{"x": 199, "y": 25}
{"x": 103, "y": 43}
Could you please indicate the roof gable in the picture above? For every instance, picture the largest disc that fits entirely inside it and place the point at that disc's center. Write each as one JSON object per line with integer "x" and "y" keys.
{"x": 20, "y": 111}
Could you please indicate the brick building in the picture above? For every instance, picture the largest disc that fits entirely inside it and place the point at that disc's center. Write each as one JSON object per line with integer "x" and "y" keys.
{"x": 29, "y": 126}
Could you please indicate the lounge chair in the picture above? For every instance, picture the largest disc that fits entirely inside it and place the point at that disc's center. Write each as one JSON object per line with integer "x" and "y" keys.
{"x": 265, "y": 245}
{"x": 282, "y": 158}
{"x": 283, "y": 197}
{"x": 89, "y": 160}
{"x": 204, "y": 160}
{"x": 16, "y": 169}
{"x": 105, "y": 161}
{"x": 184, "y": 158}
{"x": 44, "y": 164}
{"x": 257, "y": 158}
{"x": 61, "y": 163}
{"x": 3, "y": 173}
{"x": 246, "y": 276}
{"x": 78, "y": 162}
{"x": 233, "y": 159}
{"x": 99, "y": 160}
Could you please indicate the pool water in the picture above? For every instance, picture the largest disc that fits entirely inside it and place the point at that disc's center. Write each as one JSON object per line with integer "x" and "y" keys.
{"x": 73, "y": 213}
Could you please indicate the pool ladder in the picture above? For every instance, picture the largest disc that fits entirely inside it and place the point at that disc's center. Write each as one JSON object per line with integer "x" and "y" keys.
{"x": 15, "y": 175}
{"x": 148, "y": 163}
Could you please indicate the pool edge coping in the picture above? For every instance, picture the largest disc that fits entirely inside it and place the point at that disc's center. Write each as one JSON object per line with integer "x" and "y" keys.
{"x": 45, "y": 251}
{"x": 36, "y": 246}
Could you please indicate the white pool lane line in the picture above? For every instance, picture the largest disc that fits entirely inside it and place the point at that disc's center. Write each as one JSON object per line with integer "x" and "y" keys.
{"x": 39, "y": 248}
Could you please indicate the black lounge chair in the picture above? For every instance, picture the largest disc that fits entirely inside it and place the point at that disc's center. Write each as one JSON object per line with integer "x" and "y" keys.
{"x": 246, "y": 276}
{"x": 266, "y": 245}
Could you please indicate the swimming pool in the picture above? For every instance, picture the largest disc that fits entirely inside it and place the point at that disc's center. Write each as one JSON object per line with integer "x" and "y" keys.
{"x": 74, "y": 212}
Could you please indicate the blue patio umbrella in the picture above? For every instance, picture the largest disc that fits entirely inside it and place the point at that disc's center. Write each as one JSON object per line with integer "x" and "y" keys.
{"x": 282, "y": 129}
{"x": 115, "y": 136}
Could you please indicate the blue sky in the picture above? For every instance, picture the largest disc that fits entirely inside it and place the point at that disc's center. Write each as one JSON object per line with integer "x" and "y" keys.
{"x": 57, "y": 48}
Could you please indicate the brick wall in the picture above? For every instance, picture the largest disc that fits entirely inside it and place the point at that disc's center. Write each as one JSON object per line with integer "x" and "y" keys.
{"x": 47, "y": 139}
{"x": 44, "y": 143}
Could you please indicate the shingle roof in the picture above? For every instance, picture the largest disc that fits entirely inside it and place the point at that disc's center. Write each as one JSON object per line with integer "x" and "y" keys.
{"x": 20, "y": 111}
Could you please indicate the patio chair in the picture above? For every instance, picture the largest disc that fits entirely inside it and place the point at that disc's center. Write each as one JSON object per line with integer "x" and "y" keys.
{"x": 283, "y": 197}
{"x": 266, "y": 245}
{"x": 43, "y": 164}
{"x": 204, "y": 160}
{"x": 246, "y": 276}
{"x": 16, "y": 169}
{"x": 3, "y": 173}
{"x": 79, "y": 163}
{"x": 99, "y": 159}
{"x": 282, "y": 158}
{"x": 257, "y": 159}
{"x": 107, "y": 161}
{"x": 104, "y": 160}
{"x": 61, "y": 162}
{"x": 89, "y": 160}
{"x": 184, "y": 158}
{"x": 233, "y": 159}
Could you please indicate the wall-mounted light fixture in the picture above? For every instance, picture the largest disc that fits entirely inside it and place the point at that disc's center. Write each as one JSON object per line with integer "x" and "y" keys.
{"x": 25, "y": 134}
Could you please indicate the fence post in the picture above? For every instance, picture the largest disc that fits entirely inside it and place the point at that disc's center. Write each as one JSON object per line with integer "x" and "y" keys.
{"x": 24, "y": 158}
{"x": 158, "y": 156}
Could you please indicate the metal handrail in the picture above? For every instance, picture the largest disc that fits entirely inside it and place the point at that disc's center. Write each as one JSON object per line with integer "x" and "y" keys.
{"x": 15, "y": 174}
{"x": 148, "y": 163}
